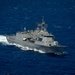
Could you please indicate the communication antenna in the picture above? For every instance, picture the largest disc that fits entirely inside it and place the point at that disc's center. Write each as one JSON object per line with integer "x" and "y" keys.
{"x": 43, "y": 24}
{"x": 43, "y": 21}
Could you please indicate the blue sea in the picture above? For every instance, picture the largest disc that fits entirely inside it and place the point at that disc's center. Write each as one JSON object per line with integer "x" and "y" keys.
{"x": 60, "y": 17}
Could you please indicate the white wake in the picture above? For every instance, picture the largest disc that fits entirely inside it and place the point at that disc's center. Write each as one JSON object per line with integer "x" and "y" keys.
{"x": 4, "y": 41}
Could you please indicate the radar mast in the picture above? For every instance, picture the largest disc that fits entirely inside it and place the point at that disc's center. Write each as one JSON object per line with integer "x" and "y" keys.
{"x": 43, "y": 25}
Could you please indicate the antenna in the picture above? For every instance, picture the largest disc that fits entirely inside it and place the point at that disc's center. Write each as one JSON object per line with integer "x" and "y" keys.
{"x": 43, "y": 19}
{"x": 43, "y": 24}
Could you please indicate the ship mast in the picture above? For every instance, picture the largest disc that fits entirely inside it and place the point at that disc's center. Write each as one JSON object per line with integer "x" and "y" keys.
{"x": 43, "y": 25}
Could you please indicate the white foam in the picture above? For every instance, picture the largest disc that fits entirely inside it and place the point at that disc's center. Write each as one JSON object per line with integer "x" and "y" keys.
{"x": 4, "y": 41}
{"x": 40, "y": 51}
{"x": 35, "y": 49}
{"x": 26, "y": 48}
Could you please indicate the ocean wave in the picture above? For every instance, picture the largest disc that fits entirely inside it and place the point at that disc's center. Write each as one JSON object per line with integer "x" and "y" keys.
{"x": 3, "y": 39}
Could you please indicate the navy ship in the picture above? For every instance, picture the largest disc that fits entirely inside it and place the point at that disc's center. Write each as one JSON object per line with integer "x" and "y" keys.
{"x": 39, "y": 39}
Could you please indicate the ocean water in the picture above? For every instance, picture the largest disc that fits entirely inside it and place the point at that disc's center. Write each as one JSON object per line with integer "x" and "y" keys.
{"x": 60, "y": 17}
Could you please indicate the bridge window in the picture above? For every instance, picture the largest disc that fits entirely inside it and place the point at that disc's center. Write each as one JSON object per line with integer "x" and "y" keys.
{"x": 40, "y": 39}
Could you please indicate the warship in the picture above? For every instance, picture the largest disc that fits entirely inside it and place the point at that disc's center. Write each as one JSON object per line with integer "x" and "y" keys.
{"x": 39, "y": 39}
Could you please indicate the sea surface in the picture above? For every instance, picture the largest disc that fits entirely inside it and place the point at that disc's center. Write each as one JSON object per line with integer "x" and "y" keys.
{"x": 60, "y": 17}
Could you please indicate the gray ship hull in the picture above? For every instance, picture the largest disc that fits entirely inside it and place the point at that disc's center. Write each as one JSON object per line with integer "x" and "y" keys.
{"x": 59, "y": 50}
